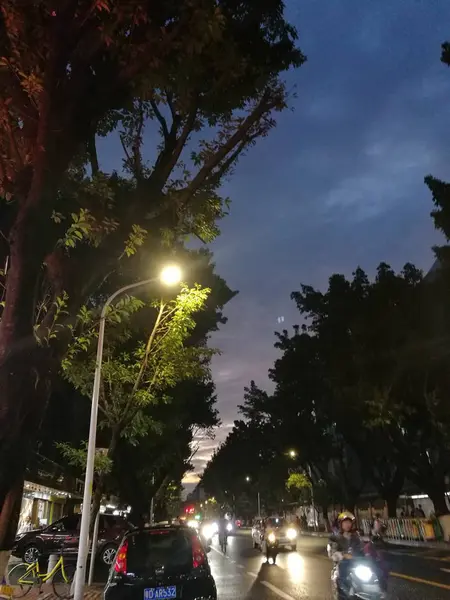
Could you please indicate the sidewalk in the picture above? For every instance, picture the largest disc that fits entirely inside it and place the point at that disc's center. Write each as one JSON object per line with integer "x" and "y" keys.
{"x": 94, "y": 592}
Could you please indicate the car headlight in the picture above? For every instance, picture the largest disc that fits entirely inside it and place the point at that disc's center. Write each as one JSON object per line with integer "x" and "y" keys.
{"x": 229, "y": 527}
{"x": 207, "y": 532}
{"x": 363, "y": 573}
{"x": 215, "y": 527}
{"x": 193, "y": 524}
{"x": 272, "y": 538}
{"x": 291, "y": 534}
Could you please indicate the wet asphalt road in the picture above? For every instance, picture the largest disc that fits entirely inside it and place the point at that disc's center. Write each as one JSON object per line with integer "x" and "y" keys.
{"x": 305, "y": 575}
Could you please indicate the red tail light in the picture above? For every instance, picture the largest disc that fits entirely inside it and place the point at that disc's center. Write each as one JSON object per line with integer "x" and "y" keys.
{"x": 121, "y": 558}
{"x": 198, "y": 553}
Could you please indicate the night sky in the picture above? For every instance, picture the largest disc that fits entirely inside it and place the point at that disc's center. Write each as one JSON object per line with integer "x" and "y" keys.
{"x": 339, "y": 183}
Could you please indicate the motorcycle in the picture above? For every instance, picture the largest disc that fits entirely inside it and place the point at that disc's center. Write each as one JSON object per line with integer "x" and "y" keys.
{"x": 363, "y": 580}
{"x": 272, "y": 548}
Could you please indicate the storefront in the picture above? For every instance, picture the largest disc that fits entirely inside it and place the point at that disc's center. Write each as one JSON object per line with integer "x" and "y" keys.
{"x": 42, "y": 505}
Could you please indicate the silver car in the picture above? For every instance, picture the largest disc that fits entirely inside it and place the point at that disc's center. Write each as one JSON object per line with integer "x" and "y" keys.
{"x": 286, "y": 533}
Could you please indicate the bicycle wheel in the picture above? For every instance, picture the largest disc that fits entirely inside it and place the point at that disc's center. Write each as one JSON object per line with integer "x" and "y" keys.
{"x": 21, "y": 579}
{"x": 62, "y": 581}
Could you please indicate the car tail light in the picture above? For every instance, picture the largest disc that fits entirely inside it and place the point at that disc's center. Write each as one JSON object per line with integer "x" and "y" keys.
{"x": 121, "y": 558}
{"x": 198, "y": 553}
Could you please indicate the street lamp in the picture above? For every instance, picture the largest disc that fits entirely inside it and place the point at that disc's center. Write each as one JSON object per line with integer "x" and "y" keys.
{"x": 292, "y": 453}
{"x": 170, "y": 275}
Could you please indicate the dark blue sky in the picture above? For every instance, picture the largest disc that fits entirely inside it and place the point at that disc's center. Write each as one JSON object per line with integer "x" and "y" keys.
{"x": 339, "y": 183}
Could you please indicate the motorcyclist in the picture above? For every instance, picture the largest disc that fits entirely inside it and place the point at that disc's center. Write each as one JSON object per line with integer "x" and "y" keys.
{"x": 269, "y": 549}
{"x": 222, "y": 530}
{"x": 345, "y": 541}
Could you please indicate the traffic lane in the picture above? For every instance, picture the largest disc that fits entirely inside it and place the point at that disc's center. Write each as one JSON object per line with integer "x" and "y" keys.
{"x": 417, "y": 567}
{"x": 301, "y": 575}
{"x": 243, "y": 573}
{"x": 400, "y": 562}
{"x": 403, "y": 564}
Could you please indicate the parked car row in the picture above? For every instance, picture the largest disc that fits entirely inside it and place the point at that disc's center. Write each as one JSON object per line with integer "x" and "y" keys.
{"x": 65, "y": 533}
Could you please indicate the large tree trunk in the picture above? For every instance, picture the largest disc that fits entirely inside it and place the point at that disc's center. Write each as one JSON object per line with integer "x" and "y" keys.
{"x": 24, "y": 377}
{"x": 390, "y": 489}
{"x": 437, "y": 496}
{"x": 391, "y": 503}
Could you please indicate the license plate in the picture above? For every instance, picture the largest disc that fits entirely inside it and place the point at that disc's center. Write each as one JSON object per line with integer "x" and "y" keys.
{"x": 160, "y": 592}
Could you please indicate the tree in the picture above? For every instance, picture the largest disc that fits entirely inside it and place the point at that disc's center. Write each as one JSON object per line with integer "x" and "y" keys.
{"x": 82, "y": 68}
{"x": 163, "y": 458}
{"x": 138, "y": 373}
{"x": 301, "y": 483}
{"x": 359, "y": 390}
{"x": 381, "y": 378}
{"x": 176, "y": 410}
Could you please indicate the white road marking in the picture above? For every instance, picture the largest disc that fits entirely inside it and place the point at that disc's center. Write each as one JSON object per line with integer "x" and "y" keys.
{"x": 252, "y": 574}
{"x": 446, "y": 570}
{"x": 218, "y": 551}
{"x": 277, "y": 591}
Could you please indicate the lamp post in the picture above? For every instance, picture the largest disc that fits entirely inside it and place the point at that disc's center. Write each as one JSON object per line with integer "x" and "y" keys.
{"x": 170, "y": 275}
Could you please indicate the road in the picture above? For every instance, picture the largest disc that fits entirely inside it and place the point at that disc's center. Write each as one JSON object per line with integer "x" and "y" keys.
{"x": 305, "y": 575}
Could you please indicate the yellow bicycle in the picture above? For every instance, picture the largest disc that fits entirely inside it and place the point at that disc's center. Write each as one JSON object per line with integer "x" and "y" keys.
{"x": 24, "y": 576}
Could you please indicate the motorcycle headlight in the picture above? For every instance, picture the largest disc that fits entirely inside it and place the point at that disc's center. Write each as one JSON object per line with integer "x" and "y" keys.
{"x": 291, "y": 534}
{"x": 229, "y": 527}
{"x": 363, "y": 573}
{"x": 272, "y": 538}
{"x": 193, "y": 524}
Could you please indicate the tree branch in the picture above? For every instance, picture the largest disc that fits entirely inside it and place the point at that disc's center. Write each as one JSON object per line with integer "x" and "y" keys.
{"x": 92, "y": 151}
{"x": 264, "y": 106}
{"x": 215, "y": 177}
{"x": 173, "y": 146}
{"x": 161, "y": 120}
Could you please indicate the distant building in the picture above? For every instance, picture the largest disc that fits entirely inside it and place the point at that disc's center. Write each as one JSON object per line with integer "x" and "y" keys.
{"x": 198, "y": 494}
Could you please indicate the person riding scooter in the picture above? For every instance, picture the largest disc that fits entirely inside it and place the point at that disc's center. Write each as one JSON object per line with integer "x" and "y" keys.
{"x": 343, "y": 542}
{"x": 269, "y": 542}
{"x": 345, "y": 548}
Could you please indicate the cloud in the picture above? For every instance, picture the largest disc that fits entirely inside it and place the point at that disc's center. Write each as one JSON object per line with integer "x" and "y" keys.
{"x": 339, "y": 183}
{"x": 191, "y": 479}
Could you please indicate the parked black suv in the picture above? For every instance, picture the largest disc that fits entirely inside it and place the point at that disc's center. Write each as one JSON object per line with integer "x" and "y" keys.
{"x": 161, "y": 562}
{"x": 31, "y": 545}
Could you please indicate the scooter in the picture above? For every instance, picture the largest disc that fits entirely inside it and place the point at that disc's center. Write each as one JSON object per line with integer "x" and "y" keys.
{"x": 272, "y": 547}
{"x": 364, "y": 580}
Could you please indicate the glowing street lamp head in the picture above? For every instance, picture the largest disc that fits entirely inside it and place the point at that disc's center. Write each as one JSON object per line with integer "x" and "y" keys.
{"x": 247, "y": 478}
{"x": 292, "y": 453}
{"x": 171, "y": 275}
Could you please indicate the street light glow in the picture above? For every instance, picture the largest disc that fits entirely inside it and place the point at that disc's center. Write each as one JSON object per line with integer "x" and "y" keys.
{"x": 171, "y": 275}
{"x": 292, "y": 453}
{"x": 247, "y": 478}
